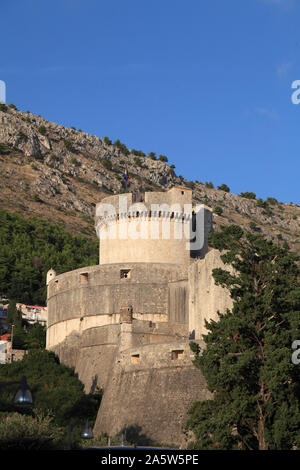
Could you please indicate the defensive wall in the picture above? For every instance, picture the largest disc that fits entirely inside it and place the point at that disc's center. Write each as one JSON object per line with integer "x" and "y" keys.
{"x": 93, "y": 296}
{"x": 148, "y": 392}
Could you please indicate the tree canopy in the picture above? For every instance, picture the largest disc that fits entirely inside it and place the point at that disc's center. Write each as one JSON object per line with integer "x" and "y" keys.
{"x": 247, "y": 357}
{"x": 55, "y": 388}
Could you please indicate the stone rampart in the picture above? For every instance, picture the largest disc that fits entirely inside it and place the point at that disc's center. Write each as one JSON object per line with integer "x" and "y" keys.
{"x": 149, "y": 392}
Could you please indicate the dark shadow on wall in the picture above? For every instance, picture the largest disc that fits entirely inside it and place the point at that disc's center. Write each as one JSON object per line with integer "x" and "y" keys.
{"x": 94, "y": 384}
{"x": 133, "y": 435}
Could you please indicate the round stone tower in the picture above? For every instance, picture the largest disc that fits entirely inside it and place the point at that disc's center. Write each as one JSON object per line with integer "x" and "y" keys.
{"x": 154, "y": 227}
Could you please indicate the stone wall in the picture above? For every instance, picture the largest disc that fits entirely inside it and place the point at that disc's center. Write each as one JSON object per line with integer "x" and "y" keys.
{"x": 92, "y": 352}
{"x": 206, "y": 298}
{"x": 149, "y": 392}
{"x": 93, "y": 296}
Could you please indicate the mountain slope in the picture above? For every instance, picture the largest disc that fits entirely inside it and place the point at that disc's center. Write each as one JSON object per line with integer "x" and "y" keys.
{"x": 60, "y": 174}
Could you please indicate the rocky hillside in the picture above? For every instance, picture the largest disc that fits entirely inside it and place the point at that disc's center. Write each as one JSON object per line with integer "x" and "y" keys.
{"x": 60, "y": 174}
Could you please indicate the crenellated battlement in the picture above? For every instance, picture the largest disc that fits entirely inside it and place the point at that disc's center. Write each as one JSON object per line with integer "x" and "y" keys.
{"x": 154, "y": 227}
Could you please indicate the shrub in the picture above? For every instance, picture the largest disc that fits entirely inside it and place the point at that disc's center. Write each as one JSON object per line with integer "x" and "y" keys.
{"x": 3, "y": 107}
{"x": 152, "y": 155}
{"x": 163, "y": 158}
{"x": 21, "y": 432}
{"x": 172, "y": 167}
{"x": 248, "y": 195}
{"x": 252, "y": 225}
{"x": 3, "y": 149}
{"x": 218, "y": 210}
{"x": 69, "y": 146}
{"x": 106, "y": 163}
{"x": 22, "y": 135}
{"x": 121, "y": 147}
{"x": 272, "y": 201}
{"x": 106, "y": 140}
{"x": 138, "y": 153}
{"x": 138, "y": 161}
{"x": 261, "y": 203}
{"x": 209, "y": 184}
{"x": 13, "y": 106}
{"x": 42, "y": 130}
{"x": 37, "y": 198}
{"x": 224, "y": 187}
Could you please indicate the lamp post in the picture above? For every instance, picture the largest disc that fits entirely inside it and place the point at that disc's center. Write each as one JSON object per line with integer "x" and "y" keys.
{"x": 11, "y": 344}
{"x": 86, "y": 433}
{"x": 23, "y": 396}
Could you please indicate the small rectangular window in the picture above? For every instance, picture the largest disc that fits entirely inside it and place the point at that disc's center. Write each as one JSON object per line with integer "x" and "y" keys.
{"x": 177, "y": 354}
{"x": 125, "y": 273}
{"x": 135, "y": 359}
{"x": 84, "y": 277}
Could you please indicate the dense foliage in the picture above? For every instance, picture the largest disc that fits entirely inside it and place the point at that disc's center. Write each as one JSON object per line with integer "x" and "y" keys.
{"x": 55, "y": 388}
{"x": 30, "y": 247}
{"x": 22, "y": 432}
{"x": 247, "y": 361}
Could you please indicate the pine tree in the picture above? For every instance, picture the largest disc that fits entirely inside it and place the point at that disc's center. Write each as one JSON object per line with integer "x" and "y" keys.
{"x": 247, "y": 360}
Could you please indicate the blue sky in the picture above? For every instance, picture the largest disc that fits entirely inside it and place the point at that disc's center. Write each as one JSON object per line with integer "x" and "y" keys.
{"x": 205, "y": 82}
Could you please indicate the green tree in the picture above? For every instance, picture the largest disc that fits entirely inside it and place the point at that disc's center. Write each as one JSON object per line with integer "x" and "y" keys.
{"x": 247, "y": 359}
{"x": 121, "y": 147}
{"x": 224, "y": 187}
{"x": 12, "y": 312}
{"x": 55, "y": 388}
{"x": 163, "y": 158}
{"x": 35, "y": 337}
{"x": 106, "y": 140}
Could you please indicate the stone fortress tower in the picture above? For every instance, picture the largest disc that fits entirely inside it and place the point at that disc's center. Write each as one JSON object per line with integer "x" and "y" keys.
{"x": 126, "y": 324}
